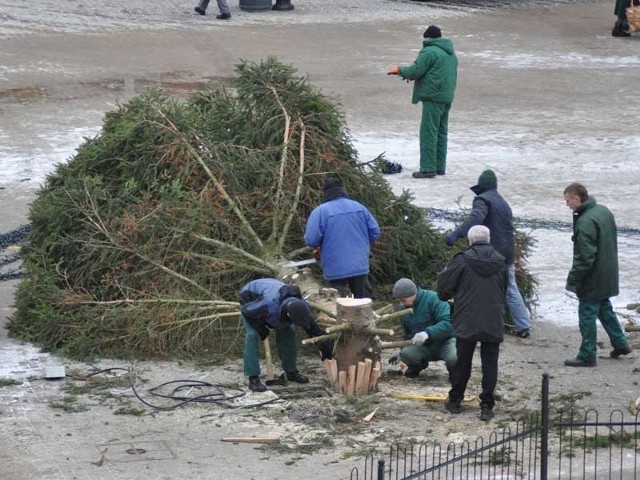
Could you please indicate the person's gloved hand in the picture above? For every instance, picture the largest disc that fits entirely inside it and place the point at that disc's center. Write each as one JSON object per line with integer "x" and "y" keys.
{"x": 419, "y": 338}
{"x": 570, "y": 288}
{"x": 393, "y": 71}
{"x": 394, "y": 359}
{"x": 450, "y": 238}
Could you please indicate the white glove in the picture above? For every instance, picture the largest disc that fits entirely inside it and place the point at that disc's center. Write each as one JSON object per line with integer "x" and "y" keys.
{"x": 419, "y": 338}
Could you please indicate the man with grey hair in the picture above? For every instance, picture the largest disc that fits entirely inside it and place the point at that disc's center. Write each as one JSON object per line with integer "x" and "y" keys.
{"x": 476, "y": 279}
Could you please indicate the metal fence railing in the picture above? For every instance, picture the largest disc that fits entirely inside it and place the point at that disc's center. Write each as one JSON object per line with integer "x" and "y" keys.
{"x": 562, "y": 447}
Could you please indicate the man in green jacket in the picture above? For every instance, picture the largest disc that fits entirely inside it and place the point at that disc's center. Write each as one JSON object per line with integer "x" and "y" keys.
{"x": 428, "y": 327}
{"x": 594, "y": 274}
{"x": 434, "y": 73}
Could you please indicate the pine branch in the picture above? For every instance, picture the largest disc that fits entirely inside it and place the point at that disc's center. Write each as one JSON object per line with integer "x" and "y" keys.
{"x": 219, "y": 186}
{"x": 296, "y": 198}
{"x": 237, "y": 250}
{"x": 283, "y": 162}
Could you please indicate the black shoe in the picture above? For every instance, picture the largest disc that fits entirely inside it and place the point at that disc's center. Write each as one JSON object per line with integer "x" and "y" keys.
{"x": 440, "y": 172}
{"x": 423, "y": 174}
{"x": 524, "y": 333}
{"x": 619, "y": 32}
{"x": 453, "y": 407}
{"x": 616, "y": 352}
{"x": 223, "y": 16}
{"x": 486, "y": 414}
{"x": 576, "y": 362}
{"x": 295, "y": 377}
{"x": 200, "y": 11}
{"x": 412, "y": 372}
{"x": 255, "y": 385}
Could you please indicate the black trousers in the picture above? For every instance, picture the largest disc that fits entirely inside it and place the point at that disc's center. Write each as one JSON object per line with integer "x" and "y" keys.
{"x": 489, "y": 353}
{"x": 359, "y": 286}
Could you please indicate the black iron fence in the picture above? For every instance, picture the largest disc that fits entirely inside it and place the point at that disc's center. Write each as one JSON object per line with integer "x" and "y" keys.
{"x": 565, "y": 447}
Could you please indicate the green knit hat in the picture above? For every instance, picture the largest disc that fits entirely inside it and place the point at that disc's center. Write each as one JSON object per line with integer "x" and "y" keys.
{"x": 487, "y": 179}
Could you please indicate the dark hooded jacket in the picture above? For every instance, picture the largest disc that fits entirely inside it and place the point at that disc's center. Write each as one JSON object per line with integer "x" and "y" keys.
{"x": 476, "y": 280}
{"x": 492, "y": 210}
{"x": 594, "y": 272}
{"x": 435, "y": 72}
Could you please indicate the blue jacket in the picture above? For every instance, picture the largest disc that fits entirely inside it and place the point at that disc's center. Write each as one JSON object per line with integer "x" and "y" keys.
{"x": 263, "y": 301}
{"x": 344, "y": 230}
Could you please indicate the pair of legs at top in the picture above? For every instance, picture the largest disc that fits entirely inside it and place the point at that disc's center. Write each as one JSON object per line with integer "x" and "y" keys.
{"x": 223, "y": 6}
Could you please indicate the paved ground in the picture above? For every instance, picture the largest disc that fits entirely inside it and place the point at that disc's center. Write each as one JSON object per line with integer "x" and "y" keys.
{"x": 546, "y": 97}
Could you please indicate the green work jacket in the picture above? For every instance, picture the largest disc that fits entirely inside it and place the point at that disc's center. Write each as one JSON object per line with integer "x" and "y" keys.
{"x": 431, "y": 315}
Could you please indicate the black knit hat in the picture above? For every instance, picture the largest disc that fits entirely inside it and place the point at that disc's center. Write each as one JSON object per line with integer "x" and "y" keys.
{"x": 432, "y": 32}
{"x": 331, "y": 182}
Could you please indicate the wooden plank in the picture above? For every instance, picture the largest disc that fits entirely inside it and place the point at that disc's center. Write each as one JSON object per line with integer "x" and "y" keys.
{"x": 342, "y": 382}
{"x": 333, "y": 375}
{"x": 368, "y": 366}
{"x": 267, "y": 357}
{"x": 250, "y": 439}
{"x": 360, "y": 378}
{"x": 351, "y": 386}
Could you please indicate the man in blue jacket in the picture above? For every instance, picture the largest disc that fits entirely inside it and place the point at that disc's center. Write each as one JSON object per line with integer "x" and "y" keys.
{"x": 343, "y": 231}
{"x": 266, "y": 304}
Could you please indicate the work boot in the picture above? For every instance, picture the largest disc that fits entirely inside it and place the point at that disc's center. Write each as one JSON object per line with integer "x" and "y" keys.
{"x": 453, "y": 406}
{"x": 440, "y": 172}
{"x": 412, "y": 372}
{"x": 576, "y": 362}
{"x": 255, "y": 385}
{"x": 423, "y": 174}
{"x": 223, "y": 16}
{"x": 295, "y": 377}
{"x": 200, "y": 11}
{"x": 618, "y": 31}
{"x": 486, "y": 414}
{"x": 524, "y": 333}
{"x": 616, "y": 352}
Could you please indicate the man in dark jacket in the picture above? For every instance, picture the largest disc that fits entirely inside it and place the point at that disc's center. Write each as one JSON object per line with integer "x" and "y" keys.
{"x": 266, "y": 304}
{"x": 594, "y": 274}
{"x": 428, "y": 327}
{"x": 476, "y": 280}
{"x": 342, "y": 230}
{"x": 435, "y": 72}
{"x": 492, "y": 210}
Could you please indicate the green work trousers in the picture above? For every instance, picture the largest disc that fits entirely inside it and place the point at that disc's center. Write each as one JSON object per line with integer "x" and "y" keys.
{"x": 285, "y": 341}
{"x": 433, "y": 136}
{"x": 418, "y": 357}
{"x": 588, "y": 311}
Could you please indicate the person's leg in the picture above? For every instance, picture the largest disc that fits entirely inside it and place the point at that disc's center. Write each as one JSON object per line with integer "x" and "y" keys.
{"x": 416, "y": 357}
{"x": 429, "y": 125}
{"x": 489, "y": 353}
{"x": 251, "y": 349}
{"x": 224, "y": 8}
{"x": 359, "y": 286}
{"x": 611, "y": 325}
{"x": 462, "y": 370}
{"x": 441, "y": 149}
{"x": 286, "y": 343}
{"x": 515, "y": 303}
{"x": 587, "y": 313}
{"x": 201, "y": 8}
{"x": 447, "y": 352}
{"x": 342, "y": 285}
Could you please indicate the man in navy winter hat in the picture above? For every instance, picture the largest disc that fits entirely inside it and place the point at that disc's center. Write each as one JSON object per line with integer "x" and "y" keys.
{"x": 435, "y": 73}
{"x": 492, "y": 210}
